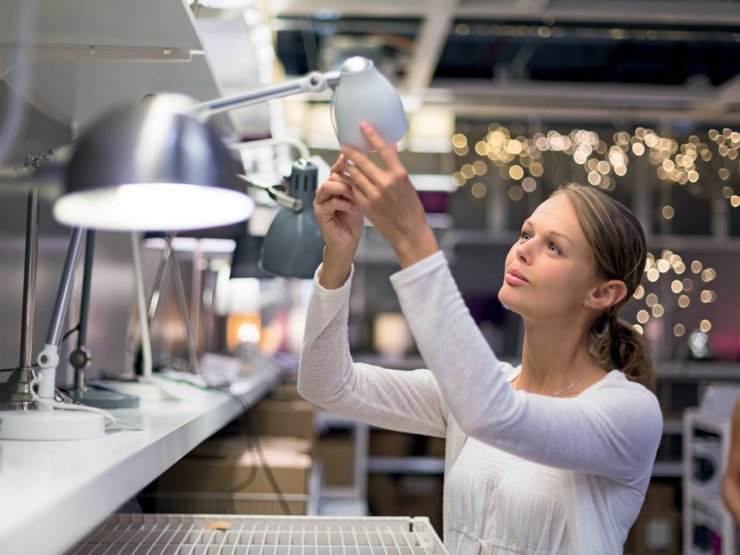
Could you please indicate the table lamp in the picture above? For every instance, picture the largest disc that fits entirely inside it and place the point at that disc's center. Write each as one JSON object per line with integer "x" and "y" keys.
{"x": 159, "y": 166}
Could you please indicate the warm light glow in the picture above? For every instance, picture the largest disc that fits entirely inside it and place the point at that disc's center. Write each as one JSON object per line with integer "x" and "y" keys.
{"x": 708, "y": 296}
{"x": 536, "y": 169}
{"x": 651, "y": 299}
{"x": 658, "y": 310}
{"x": 516, "y": 172}
{"x": 643, "y": 316}
{"x": 676, "y": 286}
{"x": 478, "y": 190}
{"x": 708, "y": 274}
{"x": 663, "y": 265}
{"x": 529, "y": 184}
{"x": 668, "y": 212}
{"x": 516, "y": 193}
{"x": 696, "y": 266}
{"x": 243, "y": 328}
{"x": 705, "y": 326}
{"x": 679, "y": 330}
{"x": 684, "y": 301}
{"x": 653, "y": 274}
{"x": 639, "y": 292}
{"x": 153, "y": 207}
{"x": 459, "y": 140}
{"x": 638, "y": 329}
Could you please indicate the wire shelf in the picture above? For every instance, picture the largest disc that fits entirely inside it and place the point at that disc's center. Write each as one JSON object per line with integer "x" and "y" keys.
{"x": 178, "y": 534}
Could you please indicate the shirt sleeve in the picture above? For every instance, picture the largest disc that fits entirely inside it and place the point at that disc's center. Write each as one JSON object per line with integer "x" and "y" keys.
{"x": 403, "y": 400}
{"x": 612, "y": 429}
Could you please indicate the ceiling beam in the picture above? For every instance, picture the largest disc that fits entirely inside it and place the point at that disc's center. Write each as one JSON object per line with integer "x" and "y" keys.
{"x": 663, "y": 12}
{"x": 429, "y": 45}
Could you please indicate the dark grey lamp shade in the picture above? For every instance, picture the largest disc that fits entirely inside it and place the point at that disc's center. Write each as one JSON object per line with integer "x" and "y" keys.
{"x": 293, "y": 246}
{"x": 245, "y": 262}
{"x": 152, "y": 167}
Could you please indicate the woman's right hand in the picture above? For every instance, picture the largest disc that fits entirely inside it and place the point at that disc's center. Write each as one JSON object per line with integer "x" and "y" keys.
{"x": 341, "y": 224}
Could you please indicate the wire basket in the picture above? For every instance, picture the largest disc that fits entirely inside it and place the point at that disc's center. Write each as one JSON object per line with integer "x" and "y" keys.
{"x": 178, "y": 534}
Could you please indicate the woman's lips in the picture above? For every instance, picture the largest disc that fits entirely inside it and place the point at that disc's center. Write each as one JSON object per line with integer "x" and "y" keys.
{"x": 513, "y": 277}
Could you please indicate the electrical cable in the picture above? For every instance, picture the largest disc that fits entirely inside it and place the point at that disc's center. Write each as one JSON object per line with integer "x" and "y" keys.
{"x": 249, "y": 427}
{"x": 66, "y": 406}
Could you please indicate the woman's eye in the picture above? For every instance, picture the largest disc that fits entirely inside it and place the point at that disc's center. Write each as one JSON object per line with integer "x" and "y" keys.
{"x": 554, "y": 248}
{"x": 526, "y": 235}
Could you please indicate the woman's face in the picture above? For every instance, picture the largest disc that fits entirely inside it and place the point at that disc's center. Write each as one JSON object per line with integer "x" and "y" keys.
{"x": 550, "y": 270}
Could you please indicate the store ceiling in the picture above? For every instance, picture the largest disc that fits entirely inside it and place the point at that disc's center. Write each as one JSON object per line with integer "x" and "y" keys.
{"x": 613, "y": 61}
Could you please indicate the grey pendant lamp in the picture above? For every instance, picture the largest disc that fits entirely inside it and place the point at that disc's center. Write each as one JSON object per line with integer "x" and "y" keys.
{"x": 293, "y": 245}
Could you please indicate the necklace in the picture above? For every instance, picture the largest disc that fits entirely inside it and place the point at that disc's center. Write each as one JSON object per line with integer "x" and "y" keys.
{"x": 573, "y": 384}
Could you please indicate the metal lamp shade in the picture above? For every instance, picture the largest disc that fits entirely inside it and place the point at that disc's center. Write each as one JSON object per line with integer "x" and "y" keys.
{"x": 245, "y": 261}
{"x": 293, "y": 246}
{"x": 151, "y": 167}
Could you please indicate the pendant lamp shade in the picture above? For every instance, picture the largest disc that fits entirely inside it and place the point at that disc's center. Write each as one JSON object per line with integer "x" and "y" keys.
{"x": 364, "y": 94}
{"x": 152, "y": 167}
{"x": 293, "y": 246}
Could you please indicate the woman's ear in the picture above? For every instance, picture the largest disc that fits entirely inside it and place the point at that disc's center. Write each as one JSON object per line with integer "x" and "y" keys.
{"x": 607, "y": 294}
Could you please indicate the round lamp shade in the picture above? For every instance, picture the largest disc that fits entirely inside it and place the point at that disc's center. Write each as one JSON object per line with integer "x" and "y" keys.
{"x": 152, "y": 167}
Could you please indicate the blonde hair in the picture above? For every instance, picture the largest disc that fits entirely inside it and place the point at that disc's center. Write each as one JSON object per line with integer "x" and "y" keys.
{"x": 618, "y": 244}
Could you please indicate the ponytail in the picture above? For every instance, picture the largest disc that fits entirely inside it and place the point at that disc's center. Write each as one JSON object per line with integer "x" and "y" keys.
{"x": 614, "y": 344}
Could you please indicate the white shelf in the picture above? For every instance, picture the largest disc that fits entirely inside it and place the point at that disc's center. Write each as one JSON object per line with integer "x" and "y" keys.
{"x": 61, "y": 490}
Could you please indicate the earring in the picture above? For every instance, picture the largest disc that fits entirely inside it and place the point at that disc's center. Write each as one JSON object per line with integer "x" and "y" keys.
{"x": 585, "y": 303}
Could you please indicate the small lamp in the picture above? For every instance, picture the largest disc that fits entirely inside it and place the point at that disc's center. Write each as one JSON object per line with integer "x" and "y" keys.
{"x": 293, "y": 245}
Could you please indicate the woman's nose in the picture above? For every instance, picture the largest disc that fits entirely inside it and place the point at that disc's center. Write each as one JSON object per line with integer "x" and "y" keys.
{"x": 522, "y": 252}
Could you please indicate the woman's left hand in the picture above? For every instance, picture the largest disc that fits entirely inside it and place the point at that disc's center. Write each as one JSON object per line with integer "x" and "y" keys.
{"x": 387, "y": 197}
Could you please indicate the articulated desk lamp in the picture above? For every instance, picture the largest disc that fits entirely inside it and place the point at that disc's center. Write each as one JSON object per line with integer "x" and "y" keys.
{"x": 158, "y": 167}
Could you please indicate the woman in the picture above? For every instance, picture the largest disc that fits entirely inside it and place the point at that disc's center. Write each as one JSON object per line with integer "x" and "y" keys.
{"x": 553, "y": 456}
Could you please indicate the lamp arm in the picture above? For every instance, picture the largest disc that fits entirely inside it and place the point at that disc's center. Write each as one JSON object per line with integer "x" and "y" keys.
{"x": 299, "y": 145}
{"x": 312, "y": 82}
{"x": 283, "y": 199}
{"x": 48, "y": 358}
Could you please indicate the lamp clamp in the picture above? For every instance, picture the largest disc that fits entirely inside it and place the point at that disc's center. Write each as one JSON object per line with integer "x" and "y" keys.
{"x": 276, "y": 194}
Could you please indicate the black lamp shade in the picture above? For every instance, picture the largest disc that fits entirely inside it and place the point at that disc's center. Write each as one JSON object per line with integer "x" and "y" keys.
{"x": 152, "y": 167}
{"x": 245, "y": 261}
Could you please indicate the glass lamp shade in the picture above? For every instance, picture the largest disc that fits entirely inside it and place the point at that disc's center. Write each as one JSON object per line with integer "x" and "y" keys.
{"x": 293, "y": 245}
{"x": 152, "y": 167}
{"x": 364, "y": 94}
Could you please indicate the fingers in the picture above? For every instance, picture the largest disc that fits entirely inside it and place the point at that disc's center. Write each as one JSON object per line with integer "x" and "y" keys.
{"x": 340, "y": 165}
{"x": 387, "y": 153}
{"x": 335, "y": 186}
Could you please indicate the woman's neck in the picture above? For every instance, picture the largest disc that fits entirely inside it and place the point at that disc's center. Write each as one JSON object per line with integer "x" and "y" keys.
{"x": 553, "y": 358}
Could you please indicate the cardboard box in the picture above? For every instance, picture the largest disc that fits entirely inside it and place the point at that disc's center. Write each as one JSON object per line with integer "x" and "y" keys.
{"x": 337, "y": 452}
{"x": 220, "y": 470}
{"x": 406, "y": 495}
{"x": 293, "y": 417}
{"x": 387, "y": 443}
{"x": 657, "y": 529}
{"x": 655, "y": 533}
{"x": 435, "y": 447}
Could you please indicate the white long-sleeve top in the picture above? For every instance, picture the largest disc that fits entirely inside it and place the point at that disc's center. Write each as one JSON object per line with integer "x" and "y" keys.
{"x": 524, "y": 473}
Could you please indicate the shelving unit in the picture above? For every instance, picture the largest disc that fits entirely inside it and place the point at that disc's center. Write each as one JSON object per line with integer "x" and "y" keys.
{"x": 708, "y": 527}
{"x": 66, "y": 488}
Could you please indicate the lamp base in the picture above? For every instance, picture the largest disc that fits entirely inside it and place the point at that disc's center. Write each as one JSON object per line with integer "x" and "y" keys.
{"x": 102, "y": 397}
{"x": 44, "y": 425}
{"x": 143, "y": 389}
